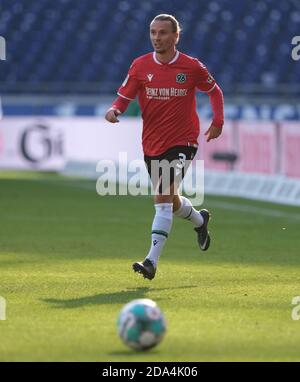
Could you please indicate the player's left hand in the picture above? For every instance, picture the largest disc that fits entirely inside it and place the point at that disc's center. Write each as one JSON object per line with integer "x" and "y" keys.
{"x": 213, "y": 132}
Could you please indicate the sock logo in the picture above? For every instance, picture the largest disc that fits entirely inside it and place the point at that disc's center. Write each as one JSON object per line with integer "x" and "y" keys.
{"x": 155, "y": 242}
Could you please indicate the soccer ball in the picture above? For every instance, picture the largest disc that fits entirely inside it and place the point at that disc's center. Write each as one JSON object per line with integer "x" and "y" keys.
{"x": 141, "y": 324}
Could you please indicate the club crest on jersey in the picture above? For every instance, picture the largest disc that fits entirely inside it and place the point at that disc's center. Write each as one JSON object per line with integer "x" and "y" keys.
{"x": 180, "y": 78}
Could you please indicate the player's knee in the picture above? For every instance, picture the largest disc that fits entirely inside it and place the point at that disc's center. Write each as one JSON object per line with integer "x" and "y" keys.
{"x": 163, "y": 199}
{"x": 176, "y": 203}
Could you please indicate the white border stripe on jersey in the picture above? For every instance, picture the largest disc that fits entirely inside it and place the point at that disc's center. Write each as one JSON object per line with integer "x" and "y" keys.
{"x": 175, "y": 58}
{"x": 121, "y": 95}
{"x": 171, "y": 62}
{"x": 210, "y": 90}
{"x": 155, "y": 59}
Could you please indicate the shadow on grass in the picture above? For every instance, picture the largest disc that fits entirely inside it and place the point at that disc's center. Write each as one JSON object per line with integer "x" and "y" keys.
{"x": 135, "y": 353}
{"x": 120, "y": 297}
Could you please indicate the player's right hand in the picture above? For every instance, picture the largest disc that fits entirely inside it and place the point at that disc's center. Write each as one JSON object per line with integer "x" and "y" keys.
{"x": 112, "y": 114}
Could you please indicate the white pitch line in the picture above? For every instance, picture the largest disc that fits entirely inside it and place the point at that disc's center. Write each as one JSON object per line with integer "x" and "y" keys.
{"x": 81, "y": 184}
{"x": 224, "y": 205}
{"x": 254, "y": 210}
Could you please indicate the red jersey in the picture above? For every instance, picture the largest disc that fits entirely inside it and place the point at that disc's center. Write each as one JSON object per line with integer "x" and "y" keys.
{"x": 166, "y": 94}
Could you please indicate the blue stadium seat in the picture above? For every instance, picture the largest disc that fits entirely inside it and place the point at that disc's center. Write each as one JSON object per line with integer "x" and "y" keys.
{"x": 72, "y": 43}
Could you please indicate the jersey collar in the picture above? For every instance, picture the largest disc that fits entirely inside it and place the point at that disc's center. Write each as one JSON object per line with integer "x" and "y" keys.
{"x": 168, "y": 63}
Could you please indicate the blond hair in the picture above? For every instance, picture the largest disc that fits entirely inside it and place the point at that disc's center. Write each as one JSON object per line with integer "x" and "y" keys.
{"x": 165, "y": 17}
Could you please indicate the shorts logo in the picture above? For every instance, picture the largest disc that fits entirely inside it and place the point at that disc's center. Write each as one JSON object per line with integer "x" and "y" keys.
{"x": 180, "y": 164}
{"x": 180, "y": 78}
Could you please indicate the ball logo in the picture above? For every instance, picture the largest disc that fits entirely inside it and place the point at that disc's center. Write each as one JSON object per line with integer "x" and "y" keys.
{"x": 39, "y": 143}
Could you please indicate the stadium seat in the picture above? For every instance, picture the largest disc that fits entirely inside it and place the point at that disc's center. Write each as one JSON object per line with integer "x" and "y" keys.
{"x": 73, "y": 42}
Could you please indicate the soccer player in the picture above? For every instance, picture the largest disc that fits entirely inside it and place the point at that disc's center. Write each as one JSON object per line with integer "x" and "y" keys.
{"x": 165, "y": 82}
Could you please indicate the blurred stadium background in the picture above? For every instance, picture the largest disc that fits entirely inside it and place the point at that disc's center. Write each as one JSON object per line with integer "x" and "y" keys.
{"x": 65, "y": 61}
{"x": 63, "y": 248}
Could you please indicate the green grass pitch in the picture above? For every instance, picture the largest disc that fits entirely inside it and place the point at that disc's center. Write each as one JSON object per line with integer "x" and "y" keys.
{"x": 65, "y": 264}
